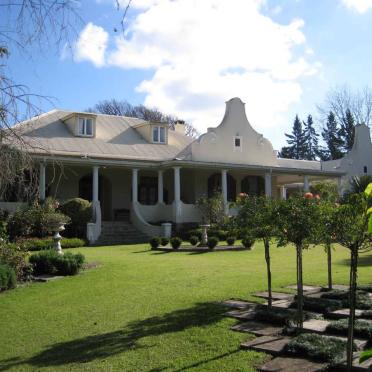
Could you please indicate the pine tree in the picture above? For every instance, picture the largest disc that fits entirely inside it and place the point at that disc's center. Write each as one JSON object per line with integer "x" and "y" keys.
{"x": 296, "y": 141}
{"x": 310, "y": 139}
{"x": 347, "y": 131}
{"x": 331, "y": 136}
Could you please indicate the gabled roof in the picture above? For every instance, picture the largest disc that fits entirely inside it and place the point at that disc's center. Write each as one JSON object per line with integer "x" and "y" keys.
{"x": 115, "y": 138}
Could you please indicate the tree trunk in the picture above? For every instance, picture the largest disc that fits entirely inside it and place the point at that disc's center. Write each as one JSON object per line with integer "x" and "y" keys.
{"x": 300, "y": 298}
{"x": 329, "y": 261}
{"x": 352, "y": 301}
{"x": 267, "y": 258}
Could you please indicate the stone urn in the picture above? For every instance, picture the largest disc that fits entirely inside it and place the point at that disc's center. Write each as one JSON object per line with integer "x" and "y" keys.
{"x": 204, "y": 236}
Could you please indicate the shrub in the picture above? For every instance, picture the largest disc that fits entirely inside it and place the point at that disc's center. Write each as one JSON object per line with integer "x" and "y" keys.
{"x": 164, "y": 241}
{"x": 80, "y": 212}
{"x": 248, "y": 241}
{"x": 40, "y": 244}
{"x": 15, "y": 256}
{"x": 194, "y": 232}
{"x": 363, "y": 301}
{"x": 321, "y": 348}
{"x": 52, "y": 263}
{"x": 8, "y": 278}
{"x": 322, "y": 305}
{"x": 154, "y": 242}
{"x": 362, "y": 328}
{"x": 212, "y": 242}
{"x": 194, "y": 240}
{"x": 176, "y": 242}
{"x": 231, "y": 240}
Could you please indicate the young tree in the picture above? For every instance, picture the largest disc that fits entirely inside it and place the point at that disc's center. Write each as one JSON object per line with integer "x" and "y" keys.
{"x": 331, "y": 137}
{"x": 124, "y": 108}
{"x": 259, "y": 214}
{"x": 211, "y": 209}
{"x": 351, "y": 231}
{"x": 296, "y": 141}
{"x": 298, "y": 223}
{"x": 310, "y": 139}
{"x": 347, "y": 131}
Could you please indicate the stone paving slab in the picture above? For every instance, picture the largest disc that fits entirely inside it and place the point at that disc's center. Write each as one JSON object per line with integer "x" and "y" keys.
{"x": 306, "y": 288}
{"x": 365, "y": 366}
{"x": 292, "y": 365}
{"x": 257, "y": 328}
{"x": 283, "y": 304}
{"x": 274, "y": 295}
{"x": 47, "y": 278}
{"x": 344, "y": 313}
{"x": 339, "y": 287}
{"x": 268, "y": 344}
{"x": 241, "y": 314}
{"x": 238, "y": 304}
{"x": 316, "y": 325}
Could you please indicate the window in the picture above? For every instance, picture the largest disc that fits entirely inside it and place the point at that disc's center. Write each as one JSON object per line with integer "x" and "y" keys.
{"x": 237, "y": 143}
{"x": 85, "y": 127}
{"x": 365, "y": 170}
{"x": 158, "y": 134}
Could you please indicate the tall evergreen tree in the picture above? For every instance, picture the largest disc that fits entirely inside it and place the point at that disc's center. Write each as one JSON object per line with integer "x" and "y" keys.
{"x": 296, "y": 141}
{"x": 311, "y": 145}
{"x": 347, "y": 130}
{"x": 331, "y": 137}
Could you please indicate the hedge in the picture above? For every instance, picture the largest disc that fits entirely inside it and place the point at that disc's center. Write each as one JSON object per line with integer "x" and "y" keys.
{"x": 52, "y": 263}
{"x": 363, "y": 301}
{"x": 318, "y": 347}
{"x": 42, "y": 244}
{"x": 362, "y": 328}
{"x": 8, "y": 278}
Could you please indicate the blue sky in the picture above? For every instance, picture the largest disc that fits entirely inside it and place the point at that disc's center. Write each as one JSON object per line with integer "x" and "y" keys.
{"x": 187, "y": 57}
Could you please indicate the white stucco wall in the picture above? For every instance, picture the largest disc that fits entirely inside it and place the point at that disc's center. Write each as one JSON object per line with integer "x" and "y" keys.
{"x": 217, "y": 145}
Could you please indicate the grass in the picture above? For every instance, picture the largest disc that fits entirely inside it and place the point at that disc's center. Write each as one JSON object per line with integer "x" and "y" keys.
{"x": 148, "y": 311}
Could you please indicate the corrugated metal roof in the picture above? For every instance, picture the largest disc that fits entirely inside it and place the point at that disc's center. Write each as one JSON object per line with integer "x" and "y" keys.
{"x": 115, "y": 136}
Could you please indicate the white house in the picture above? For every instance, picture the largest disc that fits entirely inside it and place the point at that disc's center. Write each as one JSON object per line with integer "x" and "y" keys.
{"x": 141, "y": 174}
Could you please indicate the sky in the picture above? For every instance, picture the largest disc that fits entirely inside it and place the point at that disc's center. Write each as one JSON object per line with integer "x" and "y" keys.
{"x": 188, "y": 57}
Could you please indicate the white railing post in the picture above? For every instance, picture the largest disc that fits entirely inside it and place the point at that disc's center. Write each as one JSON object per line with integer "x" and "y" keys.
{"x": 177, "y": 195}
{"x": 283, "y": 192}
{"x": 224, "y": 189}
{"x": 306, "y": 183}
{"x": 135, "y": 185}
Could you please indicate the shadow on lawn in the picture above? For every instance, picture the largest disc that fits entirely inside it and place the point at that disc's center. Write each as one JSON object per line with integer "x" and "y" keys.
{"x": 362, "y": 261}
{"x": 102, "y": 346}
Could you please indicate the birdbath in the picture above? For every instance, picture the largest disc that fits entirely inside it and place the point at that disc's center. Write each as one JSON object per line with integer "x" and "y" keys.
{"x": 204, "y": 236}
{"x": 57, "y": 238}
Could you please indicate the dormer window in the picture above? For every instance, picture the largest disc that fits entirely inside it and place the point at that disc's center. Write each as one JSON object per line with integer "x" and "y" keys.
{"x": 158, "y": 134}
{"x": 85, "y": 127}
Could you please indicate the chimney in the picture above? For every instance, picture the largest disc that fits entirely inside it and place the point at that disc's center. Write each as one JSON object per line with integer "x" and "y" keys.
{"x": 179, "y": 126}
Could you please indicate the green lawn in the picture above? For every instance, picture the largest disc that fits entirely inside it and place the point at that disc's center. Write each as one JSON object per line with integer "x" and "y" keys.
{"x": 148, "y": 311}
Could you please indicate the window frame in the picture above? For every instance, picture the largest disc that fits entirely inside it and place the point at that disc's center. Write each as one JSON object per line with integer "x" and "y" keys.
{"x": 82, "y": 131}
{"x": 240, "y": 147}
{"x": 159, "y": 129}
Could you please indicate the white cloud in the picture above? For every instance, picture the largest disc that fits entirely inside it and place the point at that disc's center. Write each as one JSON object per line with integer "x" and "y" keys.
{"x": 91, "y": 45}
{"x": 361, "y": 6}
{"x": 206, "y": 52}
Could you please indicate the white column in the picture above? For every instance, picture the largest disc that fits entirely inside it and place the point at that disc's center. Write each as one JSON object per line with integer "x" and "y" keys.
{"x": 95, "y": 184}
{"x": 135, "y": 185}
{"x": 177, "y": 212}
{"x": 224, "y": 188}
{"x": 306, "y": 183}
{"x": 268, "y": 187}
{"x": 283, "y": 192}
{"x": 42, "y": 182}
{"x": 160, "y": 186}
{"x": 177, "y": 185}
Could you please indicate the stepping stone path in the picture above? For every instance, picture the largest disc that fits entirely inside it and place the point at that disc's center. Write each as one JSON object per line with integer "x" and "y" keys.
{"x": 257, "y": 328}
{"x": 273, "y": 345}
{"x": 292, "y": 365}
{"x": 270, "y": 338}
